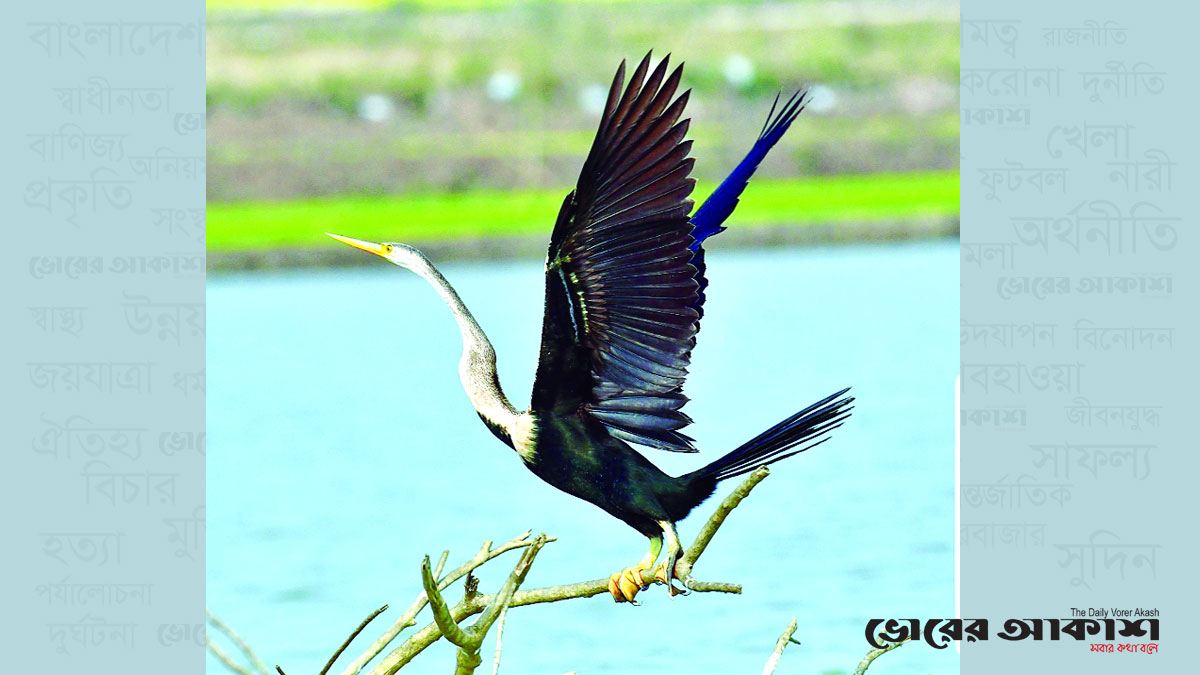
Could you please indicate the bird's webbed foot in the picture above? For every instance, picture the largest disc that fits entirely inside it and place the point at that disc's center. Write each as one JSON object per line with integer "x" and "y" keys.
{"x": 665, "y": 573}
{"x": 626, "y": 584}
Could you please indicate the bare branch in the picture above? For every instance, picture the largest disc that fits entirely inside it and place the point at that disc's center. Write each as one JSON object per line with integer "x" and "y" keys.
{"x": 255, "y": 662}
{"x": 224, "y": 658}
{"x": 407, "y": 619}
{"x": 499, "y": 641}
{"x": 874, "y": 654}
{"x": 683, "y": 569}
{"x": 467, "y": 662}
{"x": 447, "y": 620}
{"x": 514, "y": 581}
{"x": 441, "y": 611}
{"x": 361, "y": 626}
{"x": 783, "y": 641}
{"x": 471, "y": 639}
{"x": 420, "y": 640}
{"x": 499, "y": 607}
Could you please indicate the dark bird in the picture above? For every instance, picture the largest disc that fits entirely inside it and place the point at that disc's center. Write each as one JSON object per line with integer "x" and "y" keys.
{"x": 624, "y": 297}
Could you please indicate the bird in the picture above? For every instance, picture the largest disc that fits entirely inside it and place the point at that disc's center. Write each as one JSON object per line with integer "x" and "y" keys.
{"x": 624, "y": 295}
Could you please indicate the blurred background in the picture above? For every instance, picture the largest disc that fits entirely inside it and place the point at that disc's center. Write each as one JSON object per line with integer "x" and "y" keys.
{"x": 467, "y": 121}
{"x": 341, "y": 448}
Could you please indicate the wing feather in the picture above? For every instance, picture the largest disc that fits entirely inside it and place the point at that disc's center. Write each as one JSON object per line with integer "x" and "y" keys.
{"x": 621, "y": 289}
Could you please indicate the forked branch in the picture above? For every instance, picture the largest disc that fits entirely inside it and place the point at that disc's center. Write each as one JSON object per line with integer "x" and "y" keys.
{"x": 468, "y": 607}
{"x": 447, "y": 619}
{"x": 469, "y": 640}
{"x": 485, "y": 553}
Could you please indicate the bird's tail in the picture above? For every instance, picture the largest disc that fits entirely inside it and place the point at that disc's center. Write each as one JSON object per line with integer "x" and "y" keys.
{"x": 806, "y": 429}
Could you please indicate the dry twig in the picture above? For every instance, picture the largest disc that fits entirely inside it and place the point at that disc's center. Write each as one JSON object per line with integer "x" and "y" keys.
{"x": 224, "y": 658}
{"x": 485, "y": 553}
{"x": 499, "y": 641}
{"x": 469, "y": 640}
{"x": 783, "y": 641}
{"x": 361, "y": 626}
{"x": 255, "y": 663}
{"x": 683, "y": 568}
{"x": 874, "y": 654}
{"x": 447, "y": 619}
{"x": 420, "y": 640}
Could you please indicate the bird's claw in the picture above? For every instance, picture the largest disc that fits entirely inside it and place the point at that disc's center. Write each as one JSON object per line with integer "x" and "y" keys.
{"x": 624, "y": 585}
{"x": 661, "y": 576}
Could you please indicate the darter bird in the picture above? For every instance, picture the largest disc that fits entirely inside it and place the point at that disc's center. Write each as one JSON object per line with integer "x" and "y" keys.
{"x": 624, "y": 297}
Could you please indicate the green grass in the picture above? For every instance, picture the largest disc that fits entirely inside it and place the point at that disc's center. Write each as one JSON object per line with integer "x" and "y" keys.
{"x": 481, "y": 214}
{"x": 555, "y": 47}
{"x": 519, "y": 143}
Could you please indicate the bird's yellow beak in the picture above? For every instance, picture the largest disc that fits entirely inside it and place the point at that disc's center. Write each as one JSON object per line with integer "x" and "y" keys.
{"x": 367, "y": 246}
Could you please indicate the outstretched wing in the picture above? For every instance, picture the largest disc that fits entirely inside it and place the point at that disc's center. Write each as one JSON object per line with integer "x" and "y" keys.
{"x": 709, "y": 218}
{"x": 621, "y": 291}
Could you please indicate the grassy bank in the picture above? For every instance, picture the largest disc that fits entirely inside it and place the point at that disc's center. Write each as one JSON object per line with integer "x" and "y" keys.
{"x": 487, "y": 214}
{"x": 419, "y": 55}
{"x": 458, "y": 125}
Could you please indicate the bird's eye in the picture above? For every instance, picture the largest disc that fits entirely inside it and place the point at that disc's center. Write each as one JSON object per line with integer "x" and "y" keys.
{"x": 387, "y": 248}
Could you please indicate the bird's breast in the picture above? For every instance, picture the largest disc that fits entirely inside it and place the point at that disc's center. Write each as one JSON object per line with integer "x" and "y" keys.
{"x": 523, "y": 432}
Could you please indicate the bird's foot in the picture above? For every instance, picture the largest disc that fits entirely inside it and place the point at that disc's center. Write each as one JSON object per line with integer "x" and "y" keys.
{"x": 661, "y": 575}
{"x": 624, "y": 585}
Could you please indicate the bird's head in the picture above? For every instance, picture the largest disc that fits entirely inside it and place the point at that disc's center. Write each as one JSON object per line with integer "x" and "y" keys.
{"x": 398, "y": 254}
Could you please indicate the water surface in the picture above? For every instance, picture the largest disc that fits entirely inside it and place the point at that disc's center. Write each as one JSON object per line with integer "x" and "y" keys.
{"x": 342, "y": 450}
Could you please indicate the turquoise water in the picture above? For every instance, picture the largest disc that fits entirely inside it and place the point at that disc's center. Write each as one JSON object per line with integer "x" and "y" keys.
{"x": 342, "y": 450}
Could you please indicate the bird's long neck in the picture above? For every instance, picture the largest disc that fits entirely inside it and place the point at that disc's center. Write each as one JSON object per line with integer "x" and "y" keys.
{"x": 477, "y": 367}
